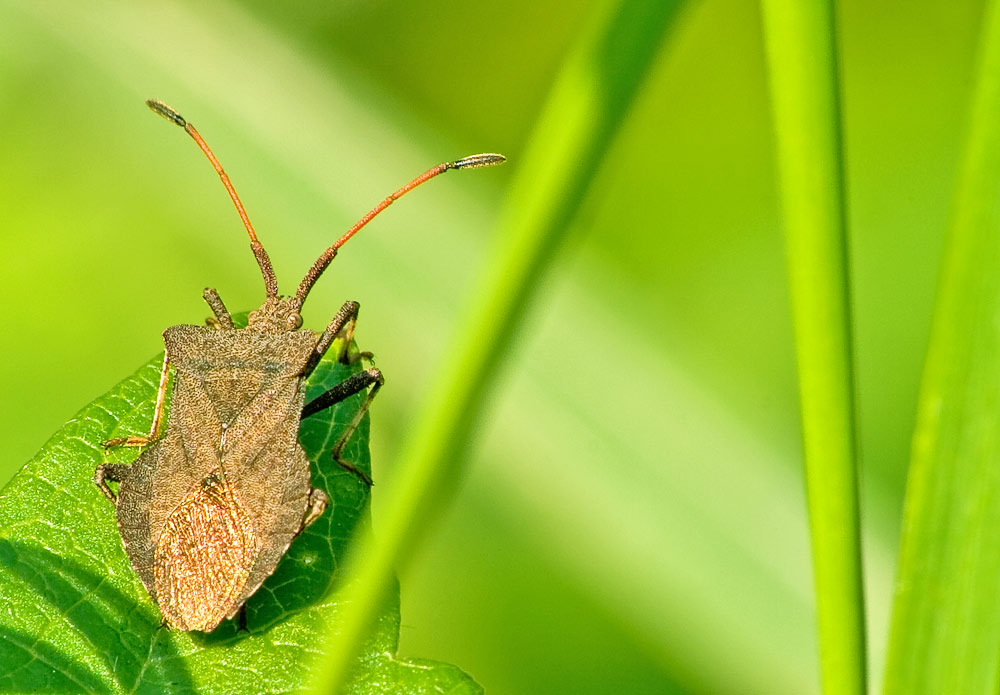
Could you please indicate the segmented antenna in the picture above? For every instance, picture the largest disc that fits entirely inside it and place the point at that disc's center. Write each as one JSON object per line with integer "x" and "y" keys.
{"x": 471, "y": 162}
{"x": 266, "y": 269}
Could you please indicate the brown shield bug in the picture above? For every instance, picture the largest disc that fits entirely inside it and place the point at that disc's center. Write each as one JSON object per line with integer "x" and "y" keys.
{"x": 209, "y": 508}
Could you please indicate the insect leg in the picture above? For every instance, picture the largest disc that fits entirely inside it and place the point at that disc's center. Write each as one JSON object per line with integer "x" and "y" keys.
{"x": 154, "y": 429}
{"x": 109, "y": 471}
{"x": 348, "y": 387}
{"x": 347, "y": 315}
{"x": 316, "y": 505}
{"x": 222, "y": 317}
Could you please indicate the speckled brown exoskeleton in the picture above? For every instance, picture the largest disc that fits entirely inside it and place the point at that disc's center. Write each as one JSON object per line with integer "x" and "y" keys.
{"x": 209, "y": 508}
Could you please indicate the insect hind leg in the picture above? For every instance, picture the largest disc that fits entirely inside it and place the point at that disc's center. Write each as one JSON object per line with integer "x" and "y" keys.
{"x": 370, "y": 379}
{"x": 315, "y": 506}
{"x": 110, "y": 471}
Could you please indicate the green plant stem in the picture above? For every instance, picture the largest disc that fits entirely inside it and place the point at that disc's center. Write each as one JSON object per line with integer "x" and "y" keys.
{"x": 802, "y": 60}
{"x": 588, "y": 102}
{"x": 945, "y": 633}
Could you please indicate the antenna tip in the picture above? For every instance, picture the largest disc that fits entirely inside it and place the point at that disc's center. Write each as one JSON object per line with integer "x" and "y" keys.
{"x": 474, "y": 161}
{"x": 166, "y": 111}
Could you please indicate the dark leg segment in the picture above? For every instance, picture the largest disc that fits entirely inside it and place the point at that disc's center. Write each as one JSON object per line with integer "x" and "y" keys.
{"x": 109, "y": 471}
{"x": 348, "y": 314}
{"x": 356, "y": 383}
{"x": 348, "y": 387}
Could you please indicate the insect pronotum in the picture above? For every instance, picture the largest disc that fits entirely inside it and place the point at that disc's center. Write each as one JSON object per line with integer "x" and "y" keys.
{"x": 209, "y": 508}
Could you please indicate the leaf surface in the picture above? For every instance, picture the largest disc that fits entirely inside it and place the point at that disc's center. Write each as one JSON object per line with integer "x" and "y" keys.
{"x": 946, "y": 615}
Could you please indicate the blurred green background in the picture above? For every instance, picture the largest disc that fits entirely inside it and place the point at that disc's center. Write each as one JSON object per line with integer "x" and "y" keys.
{"x": 633, "y": 520}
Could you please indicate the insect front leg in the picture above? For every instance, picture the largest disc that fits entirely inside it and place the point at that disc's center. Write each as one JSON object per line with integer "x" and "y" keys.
{"x": 154, "y": 429}
{"x": 370, "y": 379}
{"x": 223, "y": 319}
{"x": 344, "y": 320}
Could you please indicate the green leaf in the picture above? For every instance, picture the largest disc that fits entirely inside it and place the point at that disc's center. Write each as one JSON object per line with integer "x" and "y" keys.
{"x": 946, "y": 615}
{"x": 74, "y": 616}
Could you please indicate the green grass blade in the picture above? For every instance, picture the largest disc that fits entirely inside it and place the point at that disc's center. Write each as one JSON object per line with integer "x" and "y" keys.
{"x": 588, "y": 102}
{"x": 946, "y": 618}
{"x": 802, "y": 61}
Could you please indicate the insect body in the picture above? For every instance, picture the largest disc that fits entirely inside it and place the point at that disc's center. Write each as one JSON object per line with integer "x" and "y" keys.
{"x": 209, "y": 508}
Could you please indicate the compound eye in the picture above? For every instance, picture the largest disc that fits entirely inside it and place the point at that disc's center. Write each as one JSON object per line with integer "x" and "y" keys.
{"x": 294, "y": 321}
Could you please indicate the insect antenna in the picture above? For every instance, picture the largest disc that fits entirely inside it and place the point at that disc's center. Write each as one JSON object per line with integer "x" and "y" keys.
{"x": 266, "y": 269}
{"x": 471, "y": 162}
